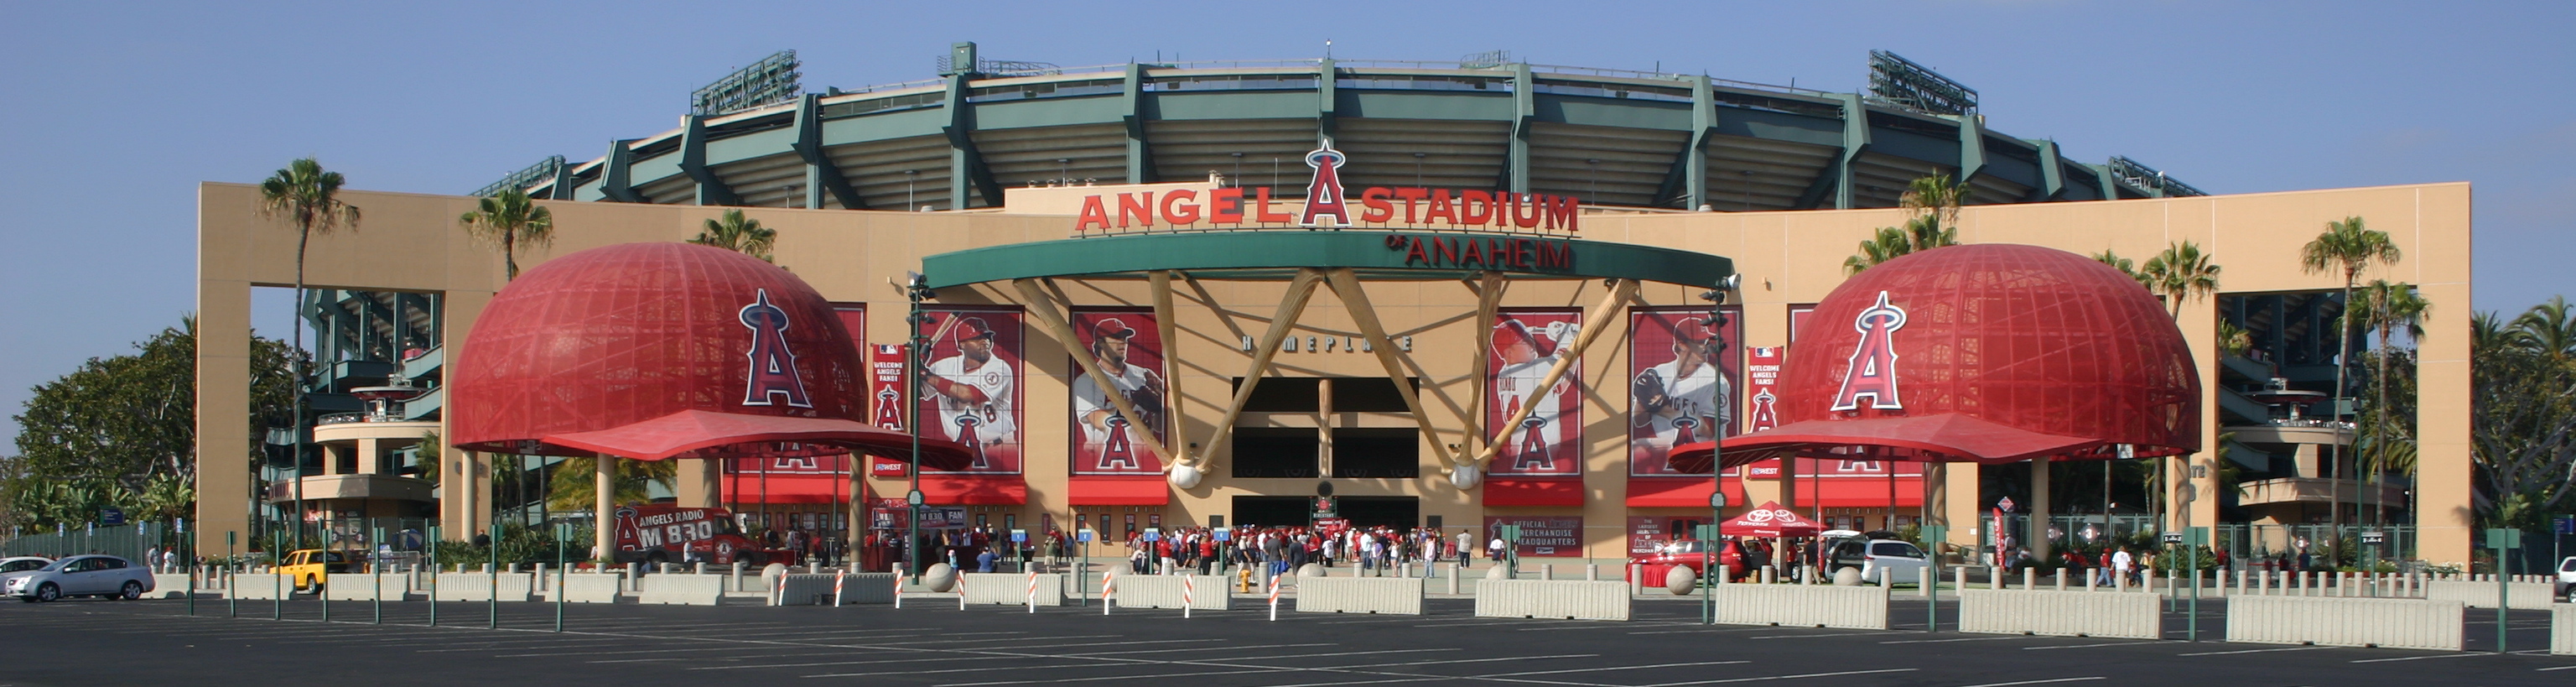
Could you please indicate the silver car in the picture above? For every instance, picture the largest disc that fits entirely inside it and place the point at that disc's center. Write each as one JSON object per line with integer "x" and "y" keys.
{"x": 21, "y": 566}
{"x": 102, "y": 576}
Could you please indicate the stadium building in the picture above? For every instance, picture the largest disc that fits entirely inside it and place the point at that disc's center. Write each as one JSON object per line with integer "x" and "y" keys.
{"x": 1400, "y": 253}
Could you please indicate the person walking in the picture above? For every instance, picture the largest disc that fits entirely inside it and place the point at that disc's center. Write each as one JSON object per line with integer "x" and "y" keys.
{"x": 2121, "y": 562}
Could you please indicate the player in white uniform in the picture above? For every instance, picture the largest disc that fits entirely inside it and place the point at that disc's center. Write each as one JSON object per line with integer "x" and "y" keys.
{"x": 974, "y": 391}
{"x": 1527, "y": 355}
{"x": 1125, "y": 448}
{"x": 1683, "y": 400}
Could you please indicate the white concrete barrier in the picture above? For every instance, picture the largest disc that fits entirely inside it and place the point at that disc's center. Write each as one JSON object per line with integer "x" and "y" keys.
{"x": 2063, "y": 614}
{"x": 1012, "y": 589}
{"x": 475, "y": 586}
{"x": 1396, "y": 595}
{"x": 1798, "y": 605}
{"x": 1207, "y": 592}
{"x": 869, "y": 588}
{"x": 168, "y": 586}
{"x": 259, "y": 586}
{"x": 588, "y": 588}
{"x": 683, "y": 590}
{"x": 802, "y": 589}
{"x": 2531, "y": 596}
{"x": 2562, "y": 629}
{"x": 362, "y": 587}
{"x": 1569, "y": 599}
{"x": 2388, "y": 623}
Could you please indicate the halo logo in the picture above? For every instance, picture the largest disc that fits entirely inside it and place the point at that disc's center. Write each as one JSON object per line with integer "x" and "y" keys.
{"x": 773, "y": 365}
{"x": 1324, "y": 194}
{"x": 1872, "y": 371}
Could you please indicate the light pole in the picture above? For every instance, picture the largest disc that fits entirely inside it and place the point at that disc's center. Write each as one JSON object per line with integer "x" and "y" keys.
{"x": 908, "y": 176}
{"x": 1717, "y": 456}
{"x": 916, "y": 290}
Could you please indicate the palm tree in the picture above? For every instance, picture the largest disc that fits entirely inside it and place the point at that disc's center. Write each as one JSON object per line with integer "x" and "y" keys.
{"x": 2388, "y": 307}
{"x": 508, "y": 219}
{"x": 2124, "y": 265}
{"x": 1935, "y": 202}
{"x": 307, "y": 196}
{"x": 2351, "y": 247}
{"x": 738, "y": 234}
{"x": 2549, "y": 328}
{"x": 2179, "y": 273}
{"x": 1888, "y": 244}
{"x": 575, "y": 480}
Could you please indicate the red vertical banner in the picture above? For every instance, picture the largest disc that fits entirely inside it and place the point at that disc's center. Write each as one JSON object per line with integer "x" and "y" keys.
{"x": 970, "y": 390}
{"x": 885, "y": 400}
{"x": 1127, "y": 348}
{"x": 1547, "y": 442}
{"x": 1681, "y": 382}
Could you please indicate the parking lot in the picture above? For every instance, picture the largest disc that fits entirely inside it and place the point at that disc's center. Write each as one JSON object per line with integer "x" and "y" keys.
{"x": 933, "y": 643}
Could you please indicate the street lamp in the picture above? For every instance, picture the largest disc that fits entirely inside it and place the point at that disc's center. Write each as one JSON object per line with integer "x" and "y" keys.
{"x": 1717, "y": 459}
{"x": 916, "y": 289}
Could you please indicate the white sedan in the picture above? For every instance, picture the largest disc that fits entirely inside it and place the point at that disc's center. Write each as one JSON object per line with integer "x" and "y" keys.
{"x": 101, "y": 576}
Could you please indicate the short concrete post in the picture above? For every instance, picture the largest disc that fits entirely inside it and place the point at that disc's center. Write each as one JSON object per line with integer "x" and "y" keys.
{"x": 2092, "y": 581}
{"x": 1591, "y": 572}
{"x": 1547, "y": 571}
{"x": 698, "y": 568}
{"x": 1453, "y": 578}
{"x": 1929, "y": 578}
{"x": 542, "y": 579}
{"x": 2119, "y": 583}
{"x": 1995, "y": 577}
{"x": 2061, "y": 579}
{"x": 485, "y": 569}
{"x": 1961, "y": 573}
{"x": 2029, "y": 579}
{"x": 635, "y": 577}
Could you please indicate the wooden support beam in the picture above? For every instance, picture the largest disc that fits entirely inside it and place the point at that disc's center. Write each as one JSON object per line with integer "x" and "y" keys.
{"x": 1600, "y": 318}
{"x": 1356, "y": 300}
{"x": 1051, "y": 314}
{"x": 1489, "y": 300}
{"x": 1291, "y": 304}
{"x": 1169, "y": 332}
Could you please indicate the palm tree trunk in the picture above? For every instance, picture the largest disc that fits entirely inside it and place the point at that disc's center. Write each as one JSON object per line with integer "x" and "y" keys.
{"x": 509, "y": 254}
{"x": 296, "y": 361}
{"x": 2343, "y": 360}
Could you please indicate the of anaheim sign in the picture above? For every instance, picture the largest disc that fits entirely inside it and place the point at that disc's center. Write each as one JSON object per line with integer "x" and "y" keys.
{"x": 1327, "y": 206}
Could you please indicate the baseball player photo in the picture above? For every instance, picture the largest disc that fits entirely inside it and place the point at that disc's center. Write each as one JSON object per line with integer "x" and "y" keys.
{"x": 1683, "y": 393}
{"x": 1525, "y": 346}
{"x": 974, "y": 388}
{"x": 1106, "y": 442}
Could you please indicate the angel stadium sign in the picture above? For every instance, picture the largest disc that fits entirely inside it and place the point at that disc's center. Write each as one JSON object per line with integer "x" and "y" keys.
{"x": 1328, "y": 206}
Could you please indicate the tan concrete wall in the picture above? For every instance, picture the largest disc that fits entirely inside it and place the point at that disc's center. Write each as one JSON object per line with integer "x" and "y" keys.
{"x": 411, "y": 242}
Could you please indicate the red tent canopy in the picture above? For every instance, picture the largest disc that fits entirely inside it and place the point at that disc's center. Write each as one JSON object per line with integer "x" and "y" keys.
{"x": 1990, "y": 353}
{"x": 1770, "y": 520}
{"x": 704, "y": 434}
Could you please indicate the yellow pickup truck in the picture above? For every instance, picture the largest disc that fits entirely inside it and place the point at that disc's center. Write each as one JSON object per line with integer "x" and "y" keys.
{"x": 311, "y": 568}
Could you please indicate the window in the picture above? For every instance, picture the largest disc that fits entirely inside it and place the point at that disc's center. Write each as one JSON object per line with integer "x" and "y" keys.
{"x": 1283, "y": 395}
{"x": 1366, "y": 452}
{"x": 1276, "y": 451}
{"x": 1895, "y": 548}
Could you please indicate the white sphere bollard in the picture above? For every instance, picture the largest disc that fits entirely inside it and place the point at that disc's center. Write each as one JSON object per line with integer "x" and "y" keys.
{"x": 1847, "y": 577}
{"x": 769, "y": 575}
{"x": 1310, "y": 570}
{"x": 1498, "y": 572}
{"x": 1681, "y": 581}
{"x": 1185, "y": 476}
{"x": 940, "y": 577}
{"x": 1464, "y": 476}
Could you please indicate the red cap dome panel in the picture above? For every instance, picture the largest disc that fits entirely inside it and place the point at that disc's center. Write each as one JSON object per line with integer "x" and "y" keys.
{"x": 622, "y": 334}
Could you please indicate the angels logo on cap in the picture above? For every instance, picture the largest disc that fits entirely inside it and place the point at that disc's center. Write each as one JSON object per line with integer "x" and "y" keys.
{"x": 973, "y": 328}
{"x": 1511, "y": 332}
{"x": 1111, "y": 328}
{"x": 1872, "y": 371}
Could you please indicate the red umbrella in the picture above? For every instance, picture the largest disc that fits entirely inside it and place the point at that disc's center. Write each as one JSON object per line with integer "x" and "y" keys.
{"x": 1770, "y": 520}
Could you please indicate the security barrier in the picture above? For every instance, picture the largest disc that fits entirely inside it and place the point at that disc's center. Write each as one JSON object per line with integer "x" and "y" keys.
{"x": 869, "y": 588}
{"x": 168, "y": 586}
{"x": 1012, "y": 589}
{"x": 589, "y": 588}
{"x": 364, "y": 587}
{"x": 683, "y": 590}
{"x": 2063, "y": 614}
{"x": 1799, "y": 605}
{"x": 1206, "y": 592}
{"x": 2390, "y": 623}
{"x": 2529, "y": 596}
{"x": 259, "y": 586}
{"x": 1570, "y": 599}
{"x": 475, "y": 586}
{"x": 2562, "y": 629}
{"x": 1396, "y": 595}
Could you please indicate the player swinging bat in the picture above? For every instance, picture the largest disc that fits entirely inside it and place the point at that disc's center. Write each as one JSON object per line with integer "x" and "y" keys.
{"x": 973, "y": 389}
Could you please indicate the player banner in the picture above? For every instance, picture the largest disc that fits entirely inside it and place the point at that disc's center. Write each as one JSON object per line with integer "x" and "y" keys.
{"x": 970, "y": 391}
{"x": 1127, "y": 348}
{"x": 1682, "y": 377}
{"x": 1547, "y": 442}
{"x": 885, "y": 398}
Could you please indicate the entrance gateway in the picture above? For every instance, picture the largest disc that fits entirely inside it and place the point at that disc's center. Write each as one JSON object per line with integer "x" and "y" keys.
{"x": 1116, "y": 292}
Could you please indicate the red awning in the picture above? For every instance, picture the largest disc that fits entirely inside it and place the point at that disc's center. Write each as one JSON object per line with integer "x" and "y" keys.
{"x": 979, "y": 490}
{"x": 1769, "y": 520}
{"x": 1651, "y": 492}
{"x": 1119, "y": 491}
{"x": 1536, "y": 492}
{"x": 706, "y": 434}
{"x": 742, "y": 488}
{"x": 1858, "y": 492}
{"x": 1943, "y": 438}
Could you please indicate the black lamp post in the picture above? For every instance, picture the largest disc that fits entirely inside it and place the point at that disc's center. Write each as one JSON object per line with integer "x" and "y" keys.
{"x": 916, "y": 289}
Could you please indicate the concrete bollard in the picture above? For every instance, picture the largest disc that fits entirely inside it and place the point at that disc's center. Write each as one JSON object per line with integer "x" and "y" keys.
{"x": 2029, "y": 579}
{"x": 2061, "y": 579}
{"x": 1961, "y": 573}
{"x": 541, "y": 578}
{"x": 1995, "y": 577}
{"x": 1591, "y": 572}
{"x": 2092, "y": 581}
{"x": 1453, "y": 577}
{"x": 1547, "y": 571}
{"x": 698, "y": 568}
{"x": 1766, "y": 575}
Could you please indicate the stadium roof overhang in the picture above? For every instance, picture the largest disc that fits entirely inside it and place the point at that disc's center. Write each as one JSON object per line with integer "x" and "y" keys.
{"x": 1372, "y": 254}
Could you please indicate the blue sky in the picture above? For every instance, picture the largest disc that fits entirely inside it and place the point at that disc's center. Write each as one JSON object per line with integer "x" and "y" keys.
{"x": 115, "y": 111}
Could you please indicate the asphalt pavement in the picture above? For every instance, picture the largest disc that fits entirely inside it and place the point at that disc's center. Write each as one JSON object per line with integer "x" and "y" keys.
{"x": 930, "y": 641}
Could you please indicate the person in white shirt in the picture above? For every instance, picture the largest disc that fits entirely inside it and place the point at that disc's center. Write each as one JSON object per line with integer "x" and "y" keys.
{"x": 974, "y": 392}
{"x": 2120, "y": 563}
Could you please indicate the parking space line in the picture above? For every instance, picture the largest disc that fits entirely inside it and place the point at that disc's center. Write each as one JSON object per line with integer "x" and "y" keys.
{"x": 2419, "y": 658}
{"x": 848, "y": 663}
{"x": 2038, "y": 682}
{"x": 2554, "y": 668}
{"x": 963, "y": 670}
{"x": 1787, "y": 677}
{"x": 1196, "y": 648}
{"x": 1830, "y": 634}
{"x": 2081, "y": 646}
{"x": 1471, "y": 660}
{"x": 1607, "y": 669}
{"x": 1959, "y": 639}
{"x": 2256, "y": 651}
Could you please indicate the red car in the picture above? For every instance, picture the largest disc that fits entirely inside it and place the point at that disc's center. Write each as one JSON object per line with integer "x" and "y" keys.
{"x": 1687, "y": 553}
